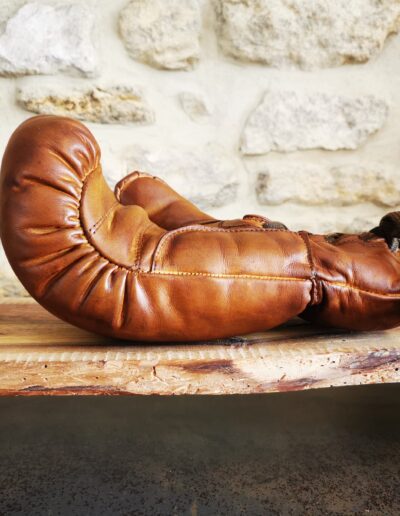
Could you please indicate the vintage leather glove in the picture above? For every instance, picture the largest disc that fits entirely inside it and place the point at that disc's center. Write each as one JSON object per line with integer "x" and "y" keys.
{"x": 145, "y": 264}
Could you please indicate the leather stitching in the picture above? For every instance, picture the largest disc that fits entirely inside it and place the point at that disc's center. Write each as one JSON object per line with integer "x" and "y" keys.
{"x": 139, "y": 249}
{"x": 271, "y": 278}
{"x": 315, "y": 298}
{"x": 99, "y": 223}
{"x": 224, "y": 276}
{"x": 346, "y": 239}
{"x": 207, "y": 274}
{"x": 256, "y": 218}
{"x": 358, "y": 289}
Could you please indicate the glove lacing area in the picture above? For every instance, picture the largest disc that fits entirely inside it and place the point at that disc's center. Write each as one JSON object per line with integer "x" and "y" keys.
{"x": 389, "y": 229}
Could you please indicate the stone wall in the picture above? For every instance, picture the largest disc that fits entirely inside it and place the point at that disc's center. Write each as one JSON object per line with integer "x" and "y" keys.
{"x": 286, "y": 108}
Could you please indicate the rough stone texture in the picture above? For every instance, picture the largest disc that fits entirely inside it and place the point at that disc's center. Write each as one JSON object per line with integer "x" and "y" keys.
{"x": 343, "y": 185}
{"x": 310, "y": 34}
{"x": 195, "y": 106}
{"x": 45, "y": 39}
{"x": 118, "y": 104}
{"x": 164, "y": 34}
{"x": 8, "y": 9}
{"x": 288, "y": 121}
{"x": 207, "y": 176}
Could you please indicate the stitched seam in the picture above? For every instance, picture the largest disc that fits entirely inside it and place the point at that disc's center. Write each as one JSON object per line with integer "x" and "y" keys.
{"x": 99, "y": 223}
{"x": 133, "y": 176}
{"x": 267, "y": 278}
{"x": 313, "y": 277}
{"x": 257, "y": 218}
{"x": 168, "y": 236}
{"x": 85, "y": 232}
{"x": 225, "y": 276}
{"x": 206, "y": 274}
{"x": 139, "y": 249}
{"x": 357, "y": 239}
{"x": 358, "y": 289}
{"x": 123, "y": 183}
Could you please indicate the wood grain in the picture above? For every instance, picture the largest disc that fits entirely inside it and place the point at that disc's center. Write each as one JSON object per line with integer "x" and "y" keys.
{"x": 40, "y": 354}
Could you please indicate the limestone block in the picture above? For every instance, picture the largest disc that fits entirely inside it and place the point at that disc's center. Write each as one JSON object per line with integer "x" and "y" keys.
{"x": 46, "y": 39}
{"x": 314, "y": 185}
{"x": 289, "y": 120}
{"x": 306, "y": 34}
{"x": 163, "y": 34}
{"x": 101, "y": 104}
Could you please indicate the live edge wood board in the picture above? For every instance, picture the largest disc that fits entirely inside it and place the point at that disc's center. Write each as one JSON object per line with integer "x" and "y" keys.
{"x": 40, "y": 355}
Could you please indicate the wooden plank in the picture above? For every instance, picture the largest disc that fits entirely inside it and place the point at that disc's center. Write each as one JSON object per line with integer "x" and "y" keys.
{"x": 40, "y": 354}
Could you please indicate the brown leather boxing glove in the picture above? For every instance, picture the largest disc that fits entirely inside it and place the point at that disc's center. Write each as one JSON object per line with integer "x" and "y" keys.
{"x": 147, "y": 265}
{"x": 348, "y": 273}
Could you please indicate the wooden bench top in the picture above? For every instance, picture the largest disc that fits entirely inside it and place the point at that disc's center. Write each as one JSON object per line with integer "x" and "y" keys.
{"x": 40, "y": 354}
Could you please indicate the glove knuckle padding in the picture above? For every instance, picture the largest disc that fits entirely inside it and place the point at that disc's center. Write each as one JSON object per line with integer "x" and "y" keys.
{"x": 112, "y": 268}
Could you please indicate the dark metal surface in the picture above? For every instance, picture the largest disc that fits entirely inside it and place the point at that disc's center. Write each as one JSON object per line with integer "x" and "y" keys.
{"x": 328, "y": 452}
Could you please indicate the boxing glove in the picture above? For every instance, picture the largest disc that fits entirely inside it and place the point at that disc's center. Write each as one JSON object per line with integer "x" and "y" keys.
{"x": 145, "y": 264}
